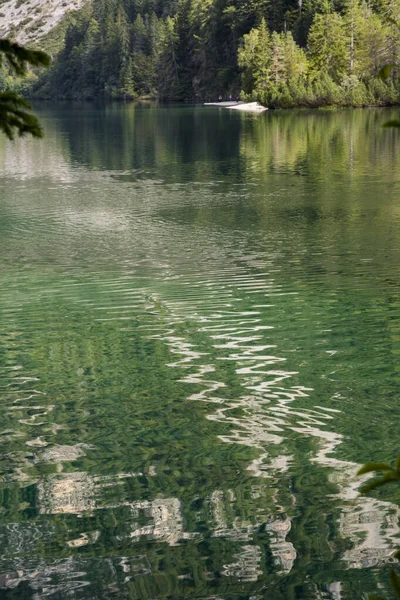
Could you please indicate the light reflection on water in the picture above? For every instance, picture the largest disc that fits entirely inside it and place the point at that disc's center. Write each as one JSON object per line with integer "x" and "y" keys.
{"x": 199, "y": 348}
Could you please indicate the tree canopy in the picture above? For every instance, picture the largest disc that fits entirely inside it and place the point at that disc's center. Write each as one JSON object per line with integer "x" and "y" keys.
{"x": 282, "y": 52}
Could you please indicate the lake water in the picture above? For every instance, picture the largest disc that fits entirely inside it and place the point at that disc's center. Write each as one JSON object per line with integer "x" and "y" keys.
{"x": 200, "y": 345}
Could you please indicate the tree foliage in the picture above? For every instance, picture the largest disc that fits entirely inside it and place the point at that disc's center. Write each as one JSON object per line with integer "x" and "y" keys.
{"x": 286, "y": 52}
{"x": 14, "y": 115}
{"x": 328, "y": 45}
{"x": 389, "y": 474}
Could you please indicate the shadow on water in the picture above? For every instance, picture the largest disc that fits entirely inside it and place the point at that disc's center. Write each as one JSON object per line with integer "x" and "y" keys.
{"x": 199, "y": 347}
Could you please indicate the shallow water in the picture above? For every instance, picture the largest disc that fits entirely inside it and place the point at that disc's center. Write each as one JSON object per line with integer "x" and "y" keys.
{"x": 200, "y": 346}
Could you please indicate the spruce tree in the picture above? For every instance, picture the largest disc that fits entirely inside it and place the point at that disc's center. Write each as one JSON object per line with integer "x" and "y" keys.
{"x": 167, "y": 75}
{"x": 296, "y": 64}
{"x": 278, "y": 57}
{"x": 255, "y": 58}
{"x": 328, "y": 45}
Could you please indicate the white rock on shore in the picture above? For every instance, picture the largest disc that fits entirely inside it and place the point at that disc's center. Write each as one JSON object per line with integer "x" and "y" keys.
{"x": 254, "y": 107}
{"x": 249, "y": 107}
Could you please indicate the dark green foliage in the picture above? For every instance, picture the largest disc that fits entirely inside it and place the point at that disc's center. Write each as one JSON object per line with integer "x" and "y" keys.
{"x": 20, "y": 57}
{"x": 13, "y": 108}
{"x": 390, "y": 475}
{"x": 13, "y": 116}
{"x": 323, "y": 91}
{"x": 339, "y": 68}
{"x": 385, "y": 72}
{"x": 393, "y": 123}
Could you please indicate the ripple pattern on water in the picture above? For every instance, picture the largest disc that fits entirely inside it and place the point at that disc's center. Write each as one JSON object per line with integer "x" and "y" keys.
{"x": 195, "y": 358}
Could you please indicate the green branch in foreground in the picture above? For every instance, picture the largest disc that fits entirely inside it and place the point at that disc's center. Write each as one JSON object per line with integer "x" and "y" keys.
{"x": 384, "y": 75}
{"x": 20, "y": 57}
{"x": 14, "y": 116}
{"x": 390, "y": 475}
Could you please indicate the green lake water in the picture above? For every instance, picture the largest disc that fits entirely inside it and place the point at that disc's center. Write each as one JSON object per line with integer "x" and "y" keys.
{"x": 199, "y": 346}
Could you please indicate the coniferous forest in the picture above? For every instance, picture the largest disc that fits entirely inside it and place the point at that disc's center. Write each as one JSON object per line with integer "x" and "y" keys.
{"x": 283, "y": 53}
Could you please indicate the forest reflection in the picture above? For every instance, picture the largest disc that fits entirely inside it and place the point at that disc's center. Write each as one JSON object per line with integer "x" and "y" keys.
{"x": 199, "y": 348}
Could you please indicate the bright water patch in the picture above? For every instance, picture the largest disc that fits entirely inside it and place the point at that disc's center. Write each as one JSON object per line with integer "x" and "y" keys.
{"x": 199, "y": 347}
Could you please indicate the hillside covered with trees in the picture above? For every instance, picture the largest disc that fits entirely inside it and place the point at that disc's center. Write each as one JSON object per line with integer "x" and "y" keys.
{"x": 281, "y": 52}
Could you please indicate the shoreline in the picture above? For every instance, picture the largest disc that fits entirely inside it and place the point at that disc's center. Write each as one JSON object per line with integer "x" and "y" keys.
{"x": 174, "y": 103}
{"x": 235, "y": 105}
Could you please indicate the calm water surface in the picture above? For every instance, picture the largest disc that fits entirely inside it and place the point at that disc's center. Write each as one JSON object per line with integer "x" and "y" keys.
{"x": 199, "y": 346}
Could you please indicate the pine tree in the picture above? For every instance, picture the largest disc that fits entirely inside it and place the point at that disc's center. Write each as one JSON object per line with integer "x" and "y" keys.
{"x": 139, "y": 35}
{"x": 255, "y": 58}
{"x": 167, "y": 65}
{"x": 328, "y": 45}
{"x": 352, "y": 19}
{"x": 278, "y": 57}
{"x": 373, "y": 45}
{"x": 142, "y": 58}
{"x": 296, "y": 64}
{"x": 127, "y": 80}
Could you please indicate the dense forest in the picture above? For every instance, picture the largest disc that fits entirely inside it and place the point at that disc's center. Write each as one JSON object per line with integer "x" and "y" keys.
{"x": 280, "y": 52}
